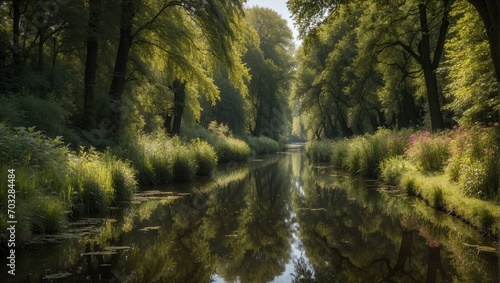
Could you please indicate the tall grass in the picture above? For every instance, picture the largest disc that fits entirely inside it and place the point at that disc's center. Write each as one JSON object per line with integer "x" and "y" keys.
{"x": 339, "y": 154}
{"x": 160, "y": 159}
{"x": 264, "y": 144}
{"x": 430, "y": 152}
{"x": 319, "y": 151}
{"x": 227, "y": 147}
{"x": 474, "y": 163}
{"x": 50, "y": 179}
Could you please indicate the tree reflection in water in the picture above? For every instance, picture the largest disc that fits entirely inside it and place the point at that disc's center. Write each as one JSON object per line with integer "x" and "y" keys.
{"x": 354, "y": 234}
{"x": 265, "y": 220}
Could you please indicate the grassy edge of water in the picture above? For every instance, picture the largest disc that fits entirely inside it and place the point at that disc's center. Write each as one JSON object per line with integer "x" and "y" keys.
{"x": 441, "y": 194}
{"x": 395, "y": 169}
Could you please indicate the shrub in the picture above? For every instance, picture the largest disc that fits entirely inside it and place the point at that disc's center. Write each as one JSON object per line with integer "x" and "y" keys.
{"x": 437, "y": 197}
{"x": 410, "y": 186}
{"x": 319, "y": 151}
{"x": 263, "y": 144}
{"x": 45, "y": 214}
{"x": 231, "y": 149}
{"x": 339, "y": 154}
{"x": 475, "y": 161}
{"x": 364, "y": 154}
{"x": 184, "y": 165}
{"x": 227, "y": 147}
{"x": 392, "y": 169}
{"x": 205, "y": 156}
{"x": 430, "y": 152}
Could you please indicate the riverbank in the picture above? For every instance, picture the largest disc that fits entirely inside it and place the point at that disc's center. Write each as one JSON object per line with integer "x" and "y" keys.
{"x": 52, "y": 184}
{"x": 455, "y": 171}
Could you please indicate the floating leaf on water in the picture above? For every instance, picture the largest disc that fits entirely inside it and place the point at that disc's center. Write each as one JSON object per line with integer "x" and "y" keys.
{"x": 57, "y": 276}
{"x": 100, "y": 253}
{"x": 116, "y": 248}
{"x": 486, "y": 249}
{"x": 146, "y": 229}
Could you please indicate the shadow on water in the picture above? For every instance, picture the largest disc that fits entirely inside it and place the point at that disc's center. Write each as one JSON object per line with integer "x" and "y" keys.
{"x": 274, "y": 219}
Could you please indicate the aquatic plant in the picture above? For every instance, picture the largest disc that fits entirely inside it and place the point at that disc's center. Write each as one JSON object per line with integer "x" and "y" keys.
{"x": 319, "y": 151}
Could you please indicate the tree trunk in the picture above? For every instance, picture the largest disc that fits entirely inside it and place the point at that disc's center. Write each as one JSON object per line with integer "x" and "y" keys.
{"x": 90, "y": 64}
{"x": 179, "y": 89}
{"x": 429, "y": 66}
{"x": 489, "y": 11}
{"x": 16, "y": 47}
{"x": 118, "y": 81}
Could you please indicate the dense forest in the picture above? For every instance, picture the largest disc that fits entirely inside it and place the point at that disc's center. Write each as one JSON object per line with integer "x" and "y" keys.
{"x": 99, "y": 97}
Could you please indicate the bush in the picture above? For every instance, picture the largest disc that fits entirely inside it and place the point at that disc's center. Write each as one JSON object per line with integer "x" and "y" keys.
{"x": 227, "y": 147}
{"x": 474, "y": 163}
{"x": 339, "y": 154}
{"x": 392, "y": 169}
{"x": 45, "y": 214}
{"x": 364, "y": 154}
{"x": 410, "y": 186}
{"x": 231, "y": 149}
{"x": 48, "y": 115}
{"x": 205, "y": 156}
{"x": 319, "y": 151}
{"x": 264, "y": 144}
{"x": 437, "y": 197}
{"x": 184, "y": 165}
{"x": 430, "y": 152}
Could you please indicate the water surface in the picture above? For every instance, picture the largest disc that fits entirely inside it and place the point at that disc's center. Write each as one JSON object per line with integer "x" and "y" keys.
{"x": 275, "y": 219}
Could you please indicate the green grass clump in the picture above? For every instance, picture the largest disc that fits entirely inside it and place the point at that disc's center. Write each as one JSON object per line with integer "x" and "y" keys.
{"x": 409, "y": 185}
{"x": 205, "y": 156}
{"x": 319, "y": 151}
{"x": 264, "y": 144}
{"x": 227, "y": 147}
{"x": 45, "y": 214}
{"x": 232, "y": 149}
{"x": 339, "y": 154}
{"x": 50, "y": 179}
{"x": 392, "y": 169}
{"x": 184, "y": 165}
{"x": 430, "y": 152}
{"x": 475, "y": 161}
{"x": 438, "y": 199}
{"x": 364, "y": 155}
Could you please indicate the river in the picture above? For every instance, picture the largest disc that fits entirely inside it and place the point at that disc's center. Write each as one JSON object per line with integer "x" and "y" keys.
{"x": 273, "y": 219}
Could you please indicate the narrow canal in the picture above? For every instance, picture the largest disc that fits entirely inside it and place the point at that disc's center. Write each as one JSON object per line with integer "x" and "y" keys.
{"x": 275, "y": 219}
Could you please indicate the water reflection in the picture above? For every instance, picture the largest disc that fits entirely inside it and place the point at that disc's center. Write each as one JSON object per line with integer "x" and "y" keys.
{"x": 278, "y": 220}
{"x": 351, "y": 234}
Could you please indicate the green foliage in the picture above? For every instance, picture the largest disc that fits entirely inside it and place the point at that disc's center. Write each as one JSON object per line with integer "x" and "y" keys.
{"x": 410, "y": 186}
{"x": 50, "y": 179}
{"x": 474, "y": 163}
{"x": 339, "y": 154}
{"x": 227, "y": 147}
{"x": 319, "y": 151}
{"x": 270, "y": 62}
{"x": 185, "y": 165}
{"x": 471, "y": 86}
{"x": 392, "y": 169}
{"x": 45, "y": 214}
{"x": 205, "y": 156}
{"x": 264, "y": 144}
{"x": 48, "y": 115}
{"x": 365, "y": 153}
{"x": 437, "y": 198}
{"x": 232, "y": 149}
{"x": 430, "y": 152}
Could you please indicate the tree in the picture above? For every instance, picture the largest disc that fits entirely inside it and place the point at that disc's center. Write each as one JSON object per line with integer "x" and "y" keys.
{"x": 311, "y": 14}
{"x": 217, "y": 20}
{"x": 271, "y": 65}
{"x": 470, "y": 81}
